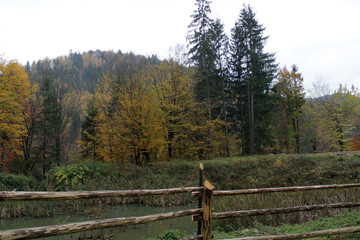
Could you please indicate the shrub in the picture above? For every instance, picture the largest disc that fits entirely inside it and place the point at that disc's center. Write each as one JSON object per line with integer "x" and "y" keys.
{"x": 74, "y": 176}
{"x": 172, "y": 235}
{"x": 10, "y": 182}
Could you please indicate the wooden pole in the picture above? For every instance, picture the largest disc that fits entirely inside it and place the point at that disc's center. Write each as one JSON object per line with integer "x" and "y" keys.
{"x": 17, "y": 196}
{"x": 36, "y": 232}
{"x": 207, "y": 216}
{"x": 279, "y": 189}
{"x": 303, "y": 235}
{"x": 270, "y": 211}
{"x": 201, "y": 184}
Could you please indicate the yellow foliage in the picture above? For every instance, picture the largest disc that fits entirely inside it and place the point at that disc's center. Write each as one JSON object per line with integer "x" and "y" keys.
{"x": 14, "y": 90}
{"x": 129, "y": 122}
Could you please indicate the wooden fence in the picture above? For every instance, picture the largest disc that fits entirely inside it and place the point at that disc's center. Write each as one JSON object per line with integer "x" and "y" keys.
{"x": 203, "y": 214}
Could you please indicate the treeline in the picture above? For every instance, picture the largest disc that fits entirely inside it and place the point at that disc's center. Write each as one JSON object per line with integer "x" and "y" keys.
{"x": 225, "y": 97}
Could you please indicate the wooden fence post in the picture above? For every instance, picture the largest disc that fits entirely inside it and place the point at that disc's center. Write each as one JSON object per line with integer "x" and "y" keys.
{"x": 201, "y": 183}
{"x": 207, "y": 216}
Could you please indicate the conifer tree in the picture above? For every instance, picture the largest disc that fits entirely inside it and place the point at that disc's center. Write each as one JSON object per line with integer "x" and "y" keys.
{"x": 89, "y": 142}
{"x": 201, "y": 53}
{"x": 222, "y": 96}
{"x": 49, "y": 125}
{"x": 207, "y": 49}
{"x": 253, "y": 71}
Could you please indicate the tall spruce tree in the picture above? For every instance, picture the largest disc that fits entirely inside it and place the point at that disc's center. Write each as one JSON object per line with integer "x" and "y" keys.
{"x": 253, "y": 72}
{"x": 222, "y": 98}
{"x": 207, "y": 49}
{"x": 202, "y": 52}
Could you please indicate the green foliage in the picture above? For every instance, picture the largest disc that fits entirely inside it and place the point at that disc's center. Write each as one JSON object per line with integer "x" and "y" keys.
{"x": 335, "y": 116}
{"x": 12, "y": 182}
{"x": 50, "y": 125}
{"x": 224, "y": 173}
{"x": 172, "y": 235}
{"x": 74, "y": 176}
{"x": 347, "y": 219}
{"x": 253, "y": 71}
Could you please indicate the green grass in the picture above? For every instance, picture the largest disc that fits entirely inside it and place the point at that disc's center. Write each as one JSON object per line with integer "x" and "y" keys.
{"x": 344, "y": 220}
{"x": 223, "y": 173}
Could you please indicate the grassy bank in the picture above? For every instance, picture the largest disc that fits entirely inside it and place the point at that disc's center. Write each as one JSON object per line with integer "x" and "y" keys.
{"x": 347, "y": 219}
{"x": 224, "y": 173}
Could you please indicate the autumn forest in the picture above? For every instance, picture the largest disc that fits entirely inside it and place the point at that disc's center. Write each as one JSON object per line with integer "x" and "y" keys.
{"x": 219, "y": 96}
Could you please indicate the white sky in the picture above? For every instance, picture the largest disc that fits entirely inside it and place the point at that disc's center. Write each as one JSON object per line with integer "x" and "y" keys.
{"x": 322, "y": 37}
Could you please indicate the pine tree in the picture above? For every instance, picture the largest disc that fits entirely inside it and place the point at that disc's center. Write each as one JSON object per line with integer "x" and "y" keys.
{"x": 253, "y": 71}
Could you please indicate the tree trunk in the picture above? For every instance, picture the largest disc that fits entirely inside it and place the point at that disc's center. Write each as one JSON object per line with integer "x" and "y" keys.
{"x": 295, "y": 123}
{"x": 251, "y": 117}
{"x": 170, "y": 139}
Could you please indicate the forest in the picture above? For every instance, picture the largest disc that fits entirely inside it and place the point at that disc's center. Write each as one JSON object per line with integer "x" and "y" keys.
{"x": 219, "y": 96}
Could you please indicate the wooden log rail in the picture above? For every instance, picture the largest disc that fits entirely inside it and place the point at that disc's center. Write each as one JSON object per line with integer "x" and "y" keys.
{"x": 29, "y": 233}
{"x": 203, "y": 214}
{"x": 270, "y": 211}
{"x": 257, "y": 212}
{"x": 279, "y": 189}
{"x": 45, "y": 231}
{"x": 32, "y": 196}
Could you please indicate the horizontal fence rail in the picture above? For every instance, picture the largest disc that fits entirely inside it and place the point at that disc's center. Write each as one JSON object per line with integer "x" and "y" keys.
{"x": 203, "y": 214}
{"x": 278, "y": 189}
{"x": 303, "y": 235}
{"x": 29, "y": 233}
{"x": 270, "y": 211}
{"x": 258, "y": 212}
{"x": 32, "y": 196}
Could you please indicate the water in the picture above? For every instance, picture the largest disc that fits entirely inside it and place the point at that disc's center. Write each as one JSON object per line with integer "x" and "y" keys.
{"x": 135, "y": 232}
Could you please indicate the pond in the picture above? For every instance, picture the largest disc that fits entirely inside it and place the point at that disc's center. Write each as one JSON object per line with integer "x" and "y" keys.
{"x": 141, "y": 231}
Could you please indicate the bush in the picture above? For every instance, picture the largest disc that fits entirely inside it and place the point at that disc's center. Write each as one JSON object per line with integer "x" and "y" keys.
{"x": 172, "y": 235}
{"x": 74, "y": 176}
{"x": 11, "y": 182}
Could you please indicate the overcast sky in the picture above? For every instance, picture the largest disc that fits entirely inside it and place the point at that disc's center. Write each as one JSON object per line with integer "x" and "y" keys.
{"x": 322, "y": 37}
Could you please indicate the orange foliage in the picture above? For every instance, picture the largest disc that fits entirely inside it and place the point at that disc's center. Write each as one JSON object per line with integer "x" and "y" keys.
{"x": 355, "y": 144}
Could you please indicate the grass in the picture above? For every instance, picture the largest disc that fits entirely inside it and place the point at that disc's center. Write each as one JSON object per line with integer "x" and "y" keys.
{"x": 224, "y": 173}
{"x": 281, "y": 200}
{"x": 347, "y": 219}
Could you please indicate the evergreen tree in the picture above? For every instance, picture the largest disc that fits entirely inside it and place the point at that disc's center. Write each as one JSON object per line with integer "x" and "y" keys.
{"x": 49, "y": 126}
{"x": 208, "y": 45}
{"x": 202, "y": 52}
{"x": 253, "y": 71}
{"x": 222, "y": 96}
{"x": 88, "y": 133}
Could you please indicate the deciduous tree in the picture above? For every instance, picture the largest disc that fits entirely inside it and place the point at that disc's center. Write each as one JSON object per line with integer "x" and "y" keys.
{"x": 291, "y": 92}
{"x": 336, "y": 113}
{"x": 14, "y": 91}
